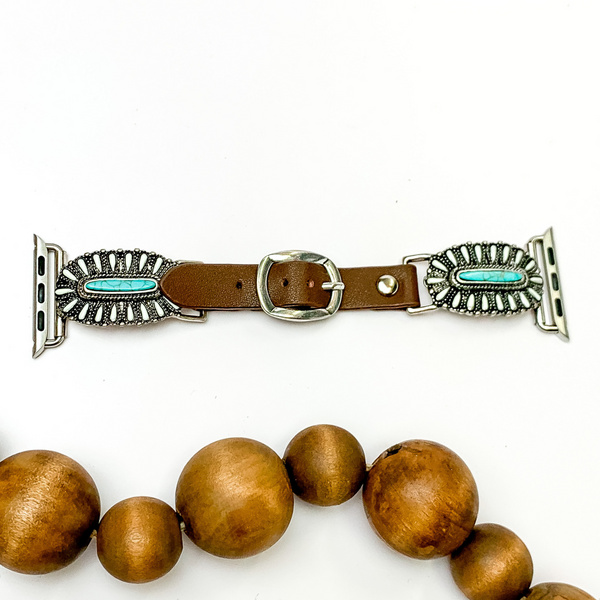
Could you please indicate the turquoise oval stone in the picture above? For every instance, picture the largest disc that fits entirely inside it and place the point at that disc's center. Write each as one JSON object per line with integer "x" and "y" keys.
{"x": 490, "y": 276}
{"x": 120, "y": 286}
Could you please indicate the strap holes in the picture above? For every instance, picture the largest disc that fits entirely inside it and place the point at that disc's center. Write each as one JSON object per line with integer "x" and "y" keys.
{"x": 559, "y": 308}
{"x": 238, "y": 285}
{"x": 285, "y": 283}
{"x": 310, "y": 283}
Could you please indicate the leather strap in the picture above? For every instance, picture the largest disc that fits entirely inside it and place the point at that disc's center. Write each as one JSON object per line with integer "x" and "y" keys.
{"x": 291, "y": 285}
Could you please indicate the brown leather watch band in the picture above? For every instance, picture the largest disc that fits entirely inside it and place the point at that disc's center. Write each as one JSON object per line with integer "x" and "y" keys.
{"x": 135, "y": 287}
{"x": 291, "y": 285}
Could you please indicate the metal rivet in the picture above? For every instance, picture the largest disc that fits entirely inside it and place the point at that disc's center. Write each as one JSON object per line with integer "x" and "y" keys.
{"x": 387, "y": 285}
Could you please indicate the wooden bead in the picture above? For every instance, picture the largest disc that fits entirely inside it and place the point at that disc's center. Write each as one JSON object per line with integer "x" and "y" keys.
{"x": 235, "y": 498}
{"x": 421, "y": 499}
{"x": 556, "y": 591}
{"x": 326, "y": 465}
{"x": 493, "y": 564}
{"x": 139, "y": 540}
{"x": 49, "y": 507}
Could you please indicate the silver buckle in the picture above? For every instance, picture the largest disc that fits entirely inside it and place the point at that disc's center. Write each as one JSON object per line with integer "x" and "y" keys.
{"x": 334, "y": 285}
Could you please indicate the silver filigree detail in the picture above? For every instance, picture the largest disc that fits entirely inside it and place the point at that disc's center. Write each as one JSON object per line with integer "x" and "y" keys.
{"x": 73, "y": 301}
{"x": 448, "y": 291}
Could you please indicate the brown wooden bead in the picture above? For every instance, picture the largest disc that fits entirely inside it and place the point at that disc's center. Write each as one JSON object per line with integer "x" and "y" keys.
{"x": 139, "y": 540}
{"x": 493, "y": 564}
{"x": 235, "y": 498}
{"x": 49, "y": 507}
{"x": 421, "y": 499}
{"x": 556, "y": 591}
{"x": 326, "y": 465}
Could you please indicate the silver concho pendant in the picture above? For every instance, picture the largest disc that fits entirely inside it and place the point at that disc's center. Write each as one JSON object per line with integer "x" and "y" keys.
{"x": 107, "y": 287}
{"x": 114, "y": 287}
{"x": 484, "y": 278}
{"x": 494, "y": 278}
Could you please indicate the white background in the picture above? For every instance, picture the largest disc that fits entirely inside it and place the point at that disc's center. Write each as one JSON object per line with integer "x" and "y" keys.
{"x": 223, "y": 131}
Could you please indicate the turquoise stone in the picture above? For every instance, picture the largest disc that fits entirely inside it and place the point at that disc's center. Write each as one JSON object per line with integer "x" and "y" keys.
{"x": 490, "y": 276}
{"x": 120, "y": 286}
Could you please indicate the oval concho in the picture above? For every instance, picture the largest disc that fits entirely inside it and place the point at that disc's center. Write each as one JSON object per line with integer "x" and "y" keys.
{"x": 484, "y": 279}
{"x": 114, "y": 287}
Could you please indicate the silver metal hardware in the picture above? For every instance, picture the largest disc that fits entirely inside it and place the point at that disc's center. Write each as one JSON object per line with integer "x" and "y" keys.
{"x": 335, "y": 285}
{"x": 102, "y": 288}
{"x": 495, "y": 278}
{"x": 408, "y": 260}
{"x": 387, "y": 285}
{"x": 201, "y": 317}
{"x": 483, "y": 279}
{"x": 49, "y": 331}
{"x": 544, "y": 245}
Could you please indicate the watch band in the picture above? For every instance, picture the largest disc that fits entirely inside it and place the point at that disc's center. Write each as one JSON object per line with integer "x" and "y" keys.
{"x": 295, "y": 285}
{"x": 135, "y": 287}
